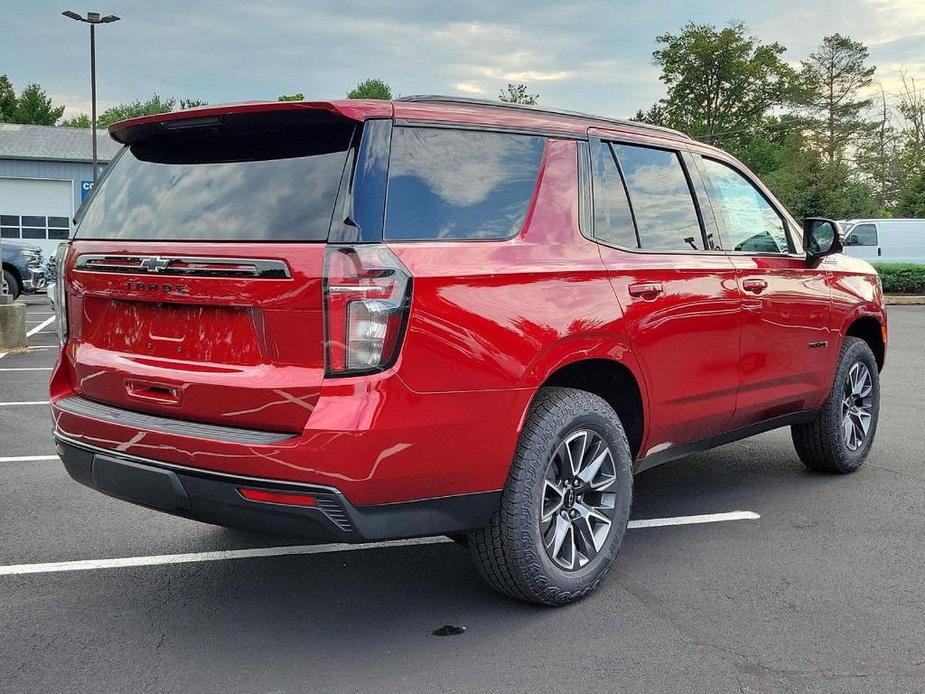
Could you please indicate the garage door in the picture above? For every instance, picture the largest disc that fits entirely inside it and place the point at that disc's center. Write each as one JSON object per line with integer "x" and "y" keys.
{"x": 36, "y": 210}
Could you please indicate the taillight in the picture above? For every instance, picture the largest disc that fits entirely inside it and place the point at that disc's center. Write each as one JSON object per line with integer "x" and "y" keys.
{"x": 367, "y": 296}
{"x": 60, "y": 294}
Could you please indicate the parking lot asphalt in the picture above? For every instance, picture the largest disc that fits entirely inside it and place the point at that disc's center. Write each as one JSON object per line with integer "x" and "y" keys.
{"x": 823, "y": 593}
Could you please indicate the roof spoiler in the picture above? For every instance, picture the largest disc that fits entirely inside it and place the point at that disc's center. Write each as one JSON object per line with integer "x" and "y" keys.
{"x": 205, "y": 117}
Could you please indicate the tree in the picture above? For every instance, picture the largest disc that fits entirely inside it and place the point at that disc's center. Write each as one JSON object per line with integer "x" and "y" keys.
{"x": 133, "y": 109}
{"x": 831, "y": 80}
{"x": 517, "y": 94}
{"x": 156, "y": 104}
{"x": 372, "y": 88}
{"x": 911, "y": 108}
{"x": 879, "y": 156}
{"x": 7, "y": 99}
{"x": 34, "y": 107}
{"x": 720, "y": 81}
{"x": 912, "y": 197}
{"x": 291, "y": 97}
{"x": 655, "y": 115}
{"x": 81, "y": 120}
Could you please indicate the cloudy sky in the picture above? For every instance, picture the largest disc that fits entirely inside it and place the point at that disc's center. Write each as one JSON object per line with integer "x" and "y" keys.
{"x": 589, "y": 55}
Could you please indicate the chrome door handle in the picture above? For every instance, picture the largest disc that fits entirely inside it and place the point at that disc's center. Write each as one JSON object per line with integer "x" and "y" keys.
{"x": 646, "y": 289}
{"x": 754, "y": 286}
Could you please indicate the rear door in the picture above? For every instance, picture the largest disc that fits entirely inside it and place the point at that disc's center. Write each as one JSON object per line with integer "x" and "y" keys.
{"x": 787, "y": 347}
{"x": 195, "y": 280}
{"x": 679, "y": 296}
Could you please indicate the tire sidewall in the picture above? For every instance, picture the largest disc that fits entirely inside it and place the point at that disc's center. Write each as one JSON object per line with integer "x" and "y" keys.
{"x": 595, "y": 415}
{"x": 12, "y": 284}
{"x": 856, "y": 352}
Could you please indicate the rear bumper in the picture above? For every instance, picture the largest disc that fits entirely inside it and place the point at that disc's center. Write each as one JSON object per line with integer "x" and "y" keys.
{"x": 215, "y": 498}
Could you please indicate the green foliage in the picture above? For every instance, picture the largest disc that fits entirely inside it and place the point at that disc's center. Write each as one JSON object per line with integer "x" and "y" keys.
{"x": 156, "y": 104}
{"x": 34, "y": 107}
{"x": 81, "y": 120}
{"x": 902, "y": 278}
{"x": 912, "y": 197}
{"x": 518, "y": 94}
{"x": 814, "y": 136}
{"x": 720, "y": 81}
{"x": 831, "y": 80}
{"x": 7, "y": 99}
{"x": 372, "y": 88}
{"x": 299, "y": 96}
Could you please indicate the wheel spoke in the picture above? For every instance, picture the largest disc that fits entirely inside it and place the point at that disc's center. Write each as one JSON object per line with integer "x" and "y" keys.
{"x": 553, "y": 499}
{"x": 848, "y": 430}
{"x": 598, "y": 524}
{"x": 589, "y": 475}
{"x": 863, "y": 419}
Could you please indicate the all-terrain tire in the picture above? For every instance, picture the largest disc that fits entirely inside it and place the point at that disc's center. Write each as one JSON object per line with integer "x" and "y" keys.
{"x": 822, "y": 444}
{"x": 510, "y": 553}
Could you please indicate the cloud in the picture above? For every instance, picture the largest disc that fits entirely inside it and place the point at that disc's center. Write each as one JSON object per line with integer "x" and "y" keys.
{"x": 589, "y": 55}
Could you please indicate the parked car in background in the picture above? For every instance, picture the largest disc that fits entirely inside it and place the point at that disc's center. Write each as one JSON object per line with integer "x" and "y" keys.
{"x": 367, "y": 320}
{"x": 885, "y": 240}
{"x": 23, "y": 267}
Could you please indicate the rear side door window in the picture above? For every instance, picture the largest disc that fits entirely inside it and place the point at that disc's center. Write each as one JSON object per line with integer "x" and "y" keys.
{"x": 862, "y": 235}
{"x": 747, "y": 222}
{"x": 613, "y": 218}
{"x": 459, "y": 184}
{"x": 663, "y": 207}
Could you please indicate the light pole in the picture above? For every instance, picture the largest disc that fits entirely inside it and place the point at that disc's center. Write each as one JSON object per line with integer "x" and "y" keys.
{"x": 92, "y": 18}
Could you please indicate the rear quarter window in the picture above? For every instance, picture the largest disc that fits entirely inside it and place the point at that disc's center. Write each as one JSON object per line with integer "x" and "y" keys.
{"x": 459, "y": 184}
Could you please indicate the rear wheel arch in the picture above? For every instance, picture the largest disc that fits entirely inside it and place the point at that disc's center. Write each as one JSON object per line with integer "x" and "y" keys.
{"x": 615, "y": 383}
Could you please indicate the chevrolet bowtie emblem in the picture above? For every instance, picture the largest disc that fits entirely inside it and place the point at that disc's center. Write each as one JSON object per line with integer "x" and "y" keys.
{"x": 155, "y": 264}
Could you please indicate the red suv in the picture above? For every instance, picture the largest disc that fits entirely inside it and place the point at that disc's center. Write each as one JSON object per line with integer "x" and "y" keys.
{"x": 365, "y": 320}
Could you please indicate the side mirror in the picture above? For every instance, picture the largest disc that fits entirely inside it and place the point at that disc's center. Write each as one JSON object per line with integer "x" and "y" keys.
{"x": 821, "y": 237}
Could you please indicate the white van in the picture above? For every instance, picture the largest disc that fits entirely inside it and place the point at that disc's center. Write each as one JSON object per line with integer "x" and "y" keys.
{"x": 885, "y": 240}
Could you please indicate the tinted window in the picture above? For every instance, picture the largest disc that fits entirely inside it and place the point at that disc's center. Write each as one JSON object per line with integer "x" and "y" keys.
{"x": 613, "y": 221}
{"x": 249, "y": 180}
{"x": 862, "y": 235}
{"x": 746, "y": 221}
{"x": 665, "y": 214}
{"x": 459, "y": 184}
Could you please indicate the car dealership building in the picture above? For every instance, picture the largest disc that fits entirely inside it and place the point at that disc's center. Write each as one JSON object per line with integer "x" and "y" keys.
{"x": 45, "y": 173}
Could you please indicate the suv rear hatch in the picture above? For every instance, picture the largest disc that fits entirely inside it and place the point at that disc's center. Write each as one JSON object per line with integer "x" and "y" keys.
{"x": 195, "y": 277}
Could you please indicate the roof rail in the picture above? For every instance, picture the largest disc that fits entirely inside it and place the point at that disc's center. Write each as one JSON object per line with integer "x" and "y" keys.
{"x": 436, "y": 98}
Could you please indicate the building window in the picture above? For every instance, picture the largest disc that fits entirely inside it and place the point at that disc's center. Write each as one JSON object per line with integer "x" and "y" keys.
{"x": 34, "y": 227}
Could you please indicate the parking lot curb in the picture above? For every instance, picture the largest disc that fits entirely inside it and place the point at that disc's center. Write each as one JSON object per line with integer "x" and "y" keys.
{"x": 904, "y": 299}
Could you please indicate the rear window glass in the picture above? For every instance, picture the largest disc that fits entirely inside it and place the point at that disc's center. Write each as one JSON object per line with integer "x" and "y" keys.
{"x": 459, "y": 184}
{"x": 267, "y": 179}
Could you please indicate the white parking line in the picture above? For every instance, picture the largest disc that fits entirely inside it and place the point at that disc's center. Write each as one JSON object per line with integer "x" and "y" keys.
{"x": 25, "y": 402}
{"x": 694, "y": 520}
{"x": 40, "y": 326}
{"x": 27, "y": 458}
{"x": 27, "y": 368}
{"x": 257, "y": 552}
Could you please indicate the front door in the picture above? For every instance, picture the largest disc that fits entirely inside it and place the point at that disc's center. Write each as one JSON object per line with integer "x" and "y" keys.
{"x": 786, "y": 342}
